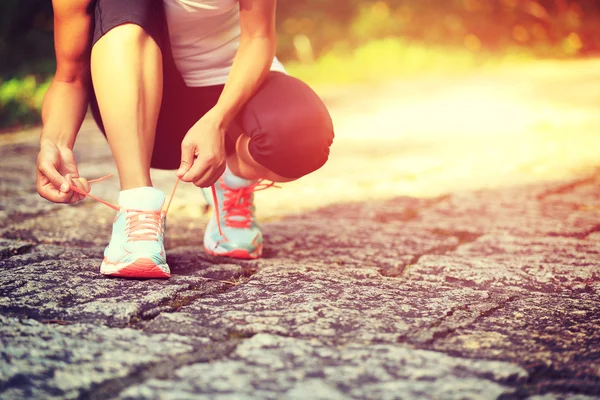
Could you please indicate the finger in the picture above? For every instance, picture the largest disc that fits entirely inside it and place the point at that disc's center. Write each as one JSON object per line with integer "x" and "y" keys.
{"x": 49, "y": 171}
{"x": 42, "y": 183}
{"x": 54, "y": 195}
{"x": 68, "y": 161}
{"x": 86, "y": 186}
{"x": 211, "y": 177}
{"x": 81, "y": 186}
{"x": 187, "y": 158}
{"x": 220, "y": 172}
{"x": 198, "y": 170}
{"x": 69, "y": 178}
{"x": 47, "y": 190}
{"x": 73, "y": 195}
{"x": 203, "y": 180}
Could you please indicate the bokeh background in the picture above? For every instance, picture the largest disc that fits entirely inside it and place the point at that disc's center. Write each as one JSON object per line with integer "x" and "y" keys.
{"x": 341, "y": 41}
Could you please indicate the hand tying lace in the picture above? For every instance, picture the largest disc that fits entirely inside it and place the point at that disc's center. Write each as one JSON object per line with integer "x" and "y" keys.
{"x": 138, "y": 226}
{"x": 117, "y": 208}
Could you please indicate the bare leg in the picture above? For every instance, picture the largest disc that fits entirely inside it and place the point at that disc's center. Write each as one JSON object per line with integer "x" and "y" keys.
{"x": 243, "y": 165}
{"x": 127, "y": 76}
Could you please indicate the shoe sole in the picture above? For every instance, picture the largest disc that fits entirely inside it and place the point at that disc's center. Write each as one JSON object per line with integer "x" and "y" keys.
{"x": 140, "y": 268}
{"x": 237, "y": 253}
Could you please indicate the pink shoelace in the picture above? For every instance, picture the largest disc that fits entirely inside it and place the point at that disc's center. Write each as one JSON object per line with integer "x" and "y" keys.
{"x": 141, "y": 223}
{"x": 145, "y": 225}
{"x": 237, "y": 204}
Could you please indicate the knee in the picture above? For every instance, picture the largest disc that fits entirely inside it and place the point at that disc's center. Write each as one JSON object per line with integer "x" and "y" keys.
{"x": 125, "y": 47}
{"x": 294, "y": 146}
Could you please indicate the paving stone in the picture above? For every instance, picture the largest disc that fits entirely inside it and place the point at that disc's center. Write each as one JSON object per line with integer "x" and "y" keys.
{"x": 9, "y": 248}
{"x": 555, "y": 336}
{"x": 274, "y": 367}
{"x": 54, "y": 282}
{"x": 42, "y": 361}
{"x": 516, "y": 211}
{"x": 333, "y": 303}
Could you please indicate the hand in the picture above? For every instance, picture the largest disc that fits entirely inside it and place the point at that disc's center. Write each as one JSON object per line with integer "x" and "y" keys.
{"x": 203, "y": 157}
{"x": 56, "y": 171}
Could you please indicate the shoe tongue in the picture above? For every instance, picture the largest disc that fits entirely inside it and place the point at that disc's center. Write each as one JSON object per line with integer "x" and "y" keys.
{"x": 143, "y": 198}
{"x": 235, "y": 182}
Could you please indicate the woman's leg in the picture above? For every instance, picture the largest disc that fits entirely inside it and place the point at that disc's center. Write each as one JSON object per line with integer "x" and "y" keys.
{"x": 286, "y": 132}
{"x": 127, "y": 76}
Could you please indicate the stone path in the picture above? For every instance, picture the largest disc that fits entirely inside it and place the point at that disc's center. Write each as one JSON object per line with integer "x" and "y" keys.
{"x": 484, "y": 284}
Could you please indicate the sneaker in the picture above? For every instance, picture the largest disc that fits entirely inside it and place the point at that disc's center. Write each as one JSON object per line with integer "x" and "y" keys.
{"x": 236, "y": 234}
{"x": 136, "y": 248}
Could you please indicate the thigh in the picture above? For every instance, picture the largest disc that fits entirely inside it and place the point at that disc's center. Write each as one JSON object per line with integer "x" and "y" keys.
{"x": 289, "y": 126}
{"x": 148, "y": 14}
{"x": 181, "y": 106}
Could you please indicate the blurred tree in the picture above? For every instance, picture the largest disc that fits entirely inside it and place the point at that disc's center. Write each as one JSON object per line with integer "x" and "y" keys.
{"x": 315, "y": 27}
{"x": 25, "y": 36}
{"x": 546, "y": 27}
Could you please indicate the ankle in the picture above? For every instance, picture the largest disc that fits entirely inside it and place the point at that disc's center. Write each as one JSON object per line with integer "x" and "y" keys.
{"x": 134, "y": 178}
{"x": 128, "y": 185}
{"x": 142, "y": 198}
{"x": 235, "y": 167}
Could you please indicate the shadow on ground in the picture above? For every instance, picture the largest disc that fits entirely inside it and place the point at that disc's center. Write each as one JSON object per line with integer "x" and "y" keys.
{"x": 484, "y": 294}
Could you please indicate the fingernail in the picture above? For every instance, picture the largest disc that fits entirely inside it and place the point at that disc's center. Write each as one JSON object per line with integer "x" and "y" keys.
{"x": 64, "y": 188}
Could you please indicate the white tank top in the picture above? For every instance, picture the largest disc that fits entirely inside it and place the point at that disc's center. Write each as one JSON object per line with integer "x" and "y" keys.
{"x": 205, "y": 35}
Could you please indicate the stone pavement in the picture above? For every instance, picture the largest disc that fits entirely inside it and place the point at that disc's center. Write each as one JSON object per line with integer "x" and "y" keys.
{"x": 483, "y": 284}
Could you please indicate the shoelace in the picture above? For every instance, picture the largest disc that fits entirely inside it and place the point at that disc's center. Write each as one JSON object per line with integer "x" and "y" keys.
{"x": 237, "y": 204}
{"x": 143, "y": 225}
{"x": 142, "y": 228}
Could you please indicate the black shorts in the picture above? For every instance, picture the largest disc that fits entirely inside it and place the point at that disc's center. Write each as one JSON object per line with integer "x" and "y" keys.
{"x": 289, "y": 127}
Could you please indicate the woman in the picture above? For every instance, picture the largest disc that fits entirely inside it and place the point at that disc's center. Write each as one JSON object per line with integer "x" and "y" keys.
{"x": 191, "y": 85}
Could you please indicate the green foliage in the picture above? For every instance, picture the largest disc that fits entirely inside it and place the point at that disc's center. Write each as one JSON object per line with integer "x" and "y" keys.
{"x": 26, "y": 51}
{"x": 26, "y": 37}
{"x": 21, "y": 101}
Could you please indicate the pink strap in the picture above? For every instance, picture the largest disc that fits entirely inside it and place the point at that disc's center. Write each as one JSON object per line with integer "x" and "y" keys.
{"x": 77, "y": 190}
{"x": 216, "y": 205}
{"x": 117, "y": 208}
{"x": 114, "y": 207}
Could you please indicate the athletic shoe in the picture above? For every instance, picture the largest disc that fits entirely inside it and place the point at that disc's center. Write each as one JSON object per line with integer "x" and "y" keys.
{"x": 136, "y": 248}
{"x": 236, "y": 233}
